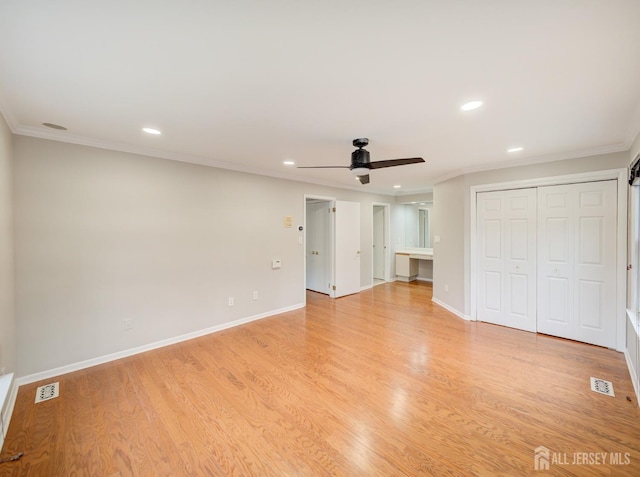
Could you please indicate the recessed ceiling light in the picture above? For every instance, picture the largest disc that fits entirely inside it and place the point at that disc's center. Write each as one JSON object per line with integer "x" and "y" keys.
{"x": 515, "y": 149}
{"x": 397, "y": 186}
{"x": 289, "y": 163}
{"x": 471, "y": 105}
{"x": 54, "y": 126}
{"x": 153, "y": 131}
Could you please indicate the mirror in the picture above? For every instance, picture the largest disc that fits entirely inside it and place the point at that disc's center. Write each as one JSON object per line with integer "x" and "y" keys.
{"x": 417, "y": 224}
{"x": 424, "y": 226}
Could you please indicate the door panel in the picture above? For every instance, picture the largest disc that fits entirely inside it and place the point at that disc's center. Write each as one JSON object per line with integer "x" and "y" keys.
{"x": 590, "y": 240}
{"x": 507, "y": 246}
{"x": 491, "y": 265}
{"x": 577, "y": 237}
{"x": 378, "y": 242}
{"x": 493, "y": 239}
{"x": 493, "y": 296}
{"x": 318, "y": 233}
{"x": 590, "y": 301}
{"x": 518, "y": 286}
{"x": 347, "y": 248}
{"x": 555, "y": 266}
{"x": 596, "y": 263}
{"x": 518, "y": 233}
{"x": 557, "y": 239}
{"x": 558, "y": 306}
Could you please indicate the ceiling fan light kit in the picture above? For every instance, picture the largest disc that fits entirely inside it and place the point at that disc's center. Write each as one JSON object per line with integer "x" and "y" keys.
{"x": 361, "y": 163}
{"x": 360, "y": 171}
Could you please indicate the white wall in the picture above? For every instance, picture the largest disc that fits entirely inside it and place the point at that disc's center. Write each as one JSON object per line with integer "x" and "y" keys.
{"x": 451, "y": 218}
{"x": 7, "y": 314}
{"x": 103, "y": 236}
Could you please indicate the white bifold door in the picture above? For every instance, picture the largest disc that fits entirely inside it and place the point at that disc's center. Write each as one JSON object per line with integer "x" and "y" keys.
{"x": 506, "y": 231}
{"x": 577, "y": 262}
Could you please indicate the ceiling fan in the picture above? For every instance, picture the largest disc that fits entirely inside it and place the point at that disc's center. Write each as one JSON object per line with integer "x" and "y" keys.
{"x": 360, "y": 163}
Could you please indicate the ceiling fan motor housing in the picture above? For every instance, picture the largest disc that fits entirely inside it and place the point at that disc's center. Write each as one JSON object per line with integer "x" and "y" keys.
{"x": 359, "y": 157}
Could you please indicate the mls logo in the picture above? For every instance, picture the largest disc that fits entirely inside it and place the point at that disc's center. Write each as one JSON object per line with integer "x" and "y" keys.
{"x": 541, "y": 458}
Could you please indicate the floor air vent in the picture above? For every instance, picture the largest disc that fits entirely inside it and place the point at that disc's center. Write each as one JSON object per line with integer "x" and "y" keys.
{"x": 46, "y": 392}
{"x": 601, "y": 386}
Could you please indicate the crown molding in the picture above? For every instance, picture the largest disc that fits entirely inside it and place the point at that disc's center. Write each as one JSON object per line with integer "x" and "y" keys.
{"x": 527, "y": 161}
{"x": 70, "y": 138}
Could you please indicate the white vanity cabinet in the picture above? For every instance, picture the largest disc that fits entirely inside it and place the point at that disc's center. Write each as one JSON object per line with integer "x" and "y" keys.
{"x": 406, "y": 268}
{"x": 407, "y": 264}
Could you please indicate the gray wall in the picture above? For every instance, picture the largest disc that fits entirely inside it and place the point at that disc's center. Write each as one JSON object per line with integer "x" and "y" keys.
{"x": 104, "y": 236}
{"x": 449, "y": 205}
{"x": 451, "y": 218}
{"x": 7, "y": 314}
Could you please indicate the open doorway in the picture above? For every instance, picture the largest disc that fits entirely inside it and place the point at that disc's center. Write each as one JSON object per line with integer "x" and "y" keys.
{"x": 332, "y": 246}
{"x": 381, "y": 272}
{"x": 318, "y": 245}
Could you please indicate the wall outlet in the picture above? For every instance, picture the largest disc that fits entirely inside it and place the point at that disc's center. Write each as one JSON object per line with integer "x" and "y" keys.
{"x": 127, "y": 324}
{"x": 230, "y": 301}
{"x": 446, "y": 288}
{"x": 255, "y": 295}
{"x": 276, "y": 263}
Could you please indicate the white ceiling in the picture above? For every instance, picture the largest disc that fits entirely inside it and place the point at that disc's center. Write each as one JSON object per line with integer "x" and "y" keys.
{"x": 248, "y": 84}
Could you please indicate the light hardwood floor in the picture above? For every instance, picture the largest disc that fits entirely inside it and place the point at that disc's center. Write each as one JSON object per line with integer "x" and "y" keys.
{"x": 382, "y": 383}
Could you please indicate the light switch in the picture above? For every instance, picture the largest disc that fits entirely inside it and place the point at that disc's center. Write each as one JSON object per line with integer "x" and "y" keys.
{"x": 436, "y": 239}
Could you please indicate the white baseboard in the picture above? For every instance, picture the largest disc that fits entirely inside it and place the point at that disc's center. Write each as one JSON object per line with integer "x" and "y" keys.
{"x": 420, "y": 279}
{"x": 31, "y": 378}
{"x": 451, "y": 309}
{"x": 633, "y": 374}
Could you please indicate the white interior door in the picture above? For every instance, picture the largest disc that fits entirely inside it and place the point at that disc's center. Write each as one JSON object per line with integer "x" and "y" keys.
{"x": 379, "y": 245}
{"x": 507, "y": 258}
{"x": 577, "y": 262}
{"x": 347, "y": 248}
{"x": 318, "y": 235}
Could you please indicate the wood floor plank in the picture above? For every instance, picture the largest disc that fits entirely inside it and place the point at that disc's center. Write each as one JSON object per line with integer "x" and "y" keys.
{"x": 80, "y": 435}
{"x": 384, "y": 382}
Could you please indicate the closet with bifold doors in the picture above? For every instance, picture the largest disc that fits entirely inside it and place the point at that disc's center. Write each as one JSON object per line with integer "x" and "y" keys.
{"x": 546, "y": 260}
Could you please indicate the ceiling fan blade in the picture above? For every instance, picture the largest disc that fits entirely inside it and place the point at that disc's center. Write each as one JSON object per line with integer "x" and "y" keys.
{"x": 364, "y": 179}
{"x": 323, "y": 167}
{"x": 395, "y": 162}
